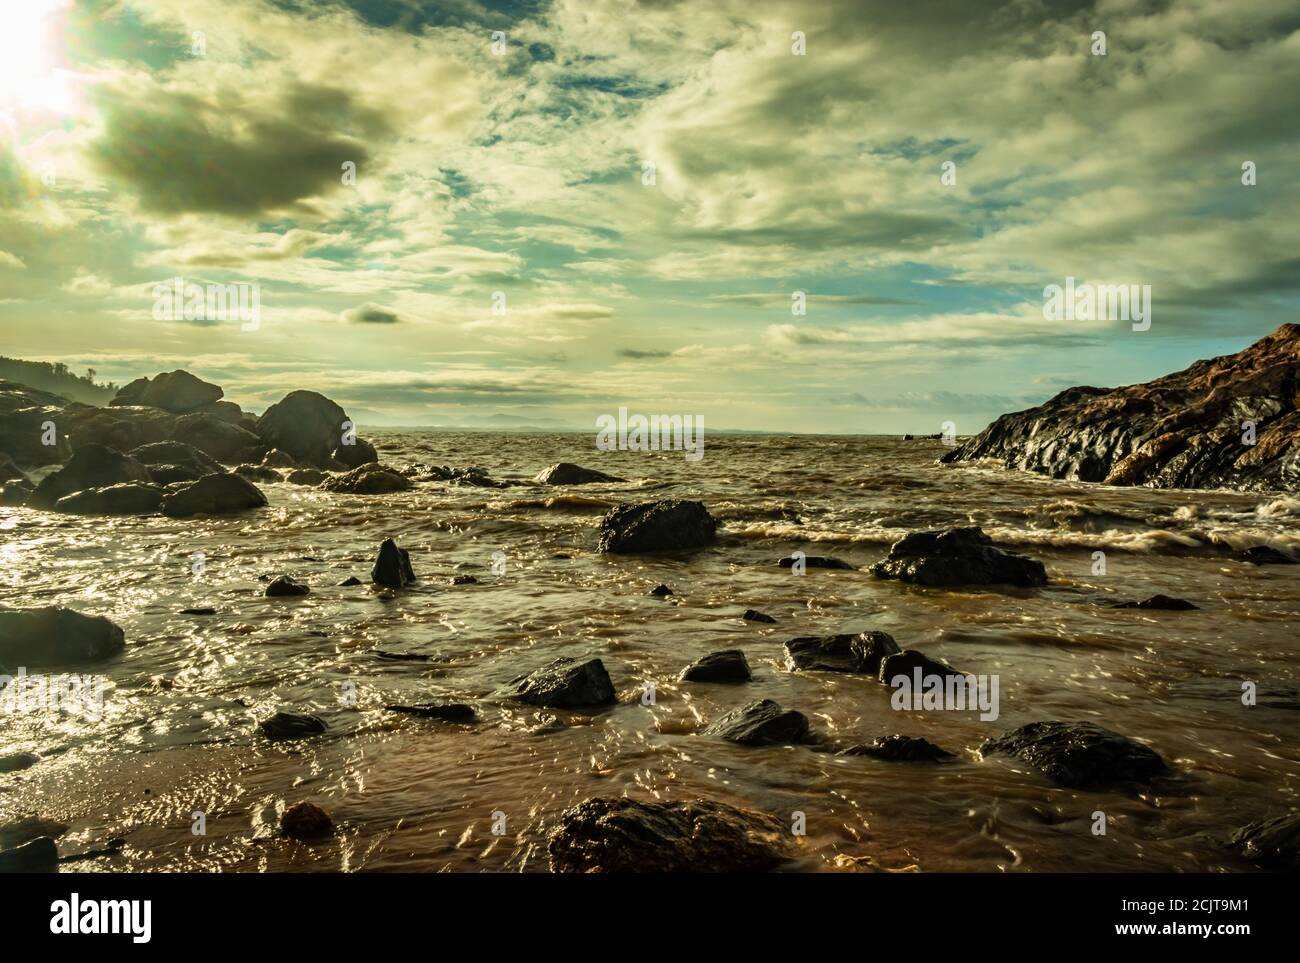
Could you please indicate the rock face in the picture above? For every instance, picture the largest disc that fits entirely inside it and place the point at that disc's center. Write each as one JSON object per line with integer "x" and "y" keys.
{"x": 371, "y": 479}
{"x": 728, "y": 665}
{"x": 957, "y": 556}
{"x": 91, "y": 466}
{"x": 1273, "y": 843}
{"x": 127, "y": 499}
{"x": 696, "y": 836}
{"x": 566, "y": 473}
{"x": 56, "y": 636}
{"x": 862, "y": 652}
{"x": 213, "y": 495}
{"x": 1081, "y": 755}
{"x": 670, "y": 525}
{"x": 900, "y": 749}
{"x": 762, "y": 723}
{"x": 307, "y": 425}
{"x": 176, "y": 391}
{"x": 566, "y": 684}
{"x": 392, "y": 566}
{"x": 1185, "y": 430}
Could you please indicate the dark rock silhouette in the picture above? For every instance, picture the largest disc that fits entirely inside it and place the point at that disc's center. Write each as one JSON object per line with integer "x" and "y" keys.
{"x": 304, "y": 820}
{"x": 131, "y": 498}
{"x": 1272, "y": 843}
{"x": 670, "y": 525}
{"x": 92, "y": 466}
{"x": 900, "y": 749}
{"x": 957, "y": 556}
{"x": 392, "y": 566}
{"x": 213, "y": 495}
{"x": 862, "y": 652}
{"x": 566, "y": 684}
{"x": 727, "y": 665}
{"x": 286, "y": 586}
{"x": 816, "y": 561}
{"x": 369, "y": 479}
{"x": 762, "y": 723}
{"x": 1159, "y": 603}
{"x": 291, "y": 725}
{"x": 309, "y": 427}
{"x": 176, "y": 391}
{"x": 1081, "y": 755}
{"x": 56, "y": 636}
{"x": 566, "y": 473}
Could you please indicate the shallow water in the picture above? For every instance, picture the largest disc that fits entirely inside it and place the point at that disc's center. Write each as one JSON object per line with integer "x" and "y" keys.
{"x": 178, "y": 733}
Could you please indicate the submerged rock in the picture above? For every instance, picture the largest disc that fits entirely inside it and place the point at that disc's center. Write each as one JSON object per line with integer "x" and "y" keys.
{"x": 41, "y": 855}
{"x": 306, "y": 476}
{"x": 727, "y": 665}
{"x": 566, "y": 473}
{"x": 862, "y": 652}
{"x": 816, "y": 561}
{"x": 392, "y": 566}
{"x": 1159, "y": 602}
{"x": 906, "y": 663}
{"x": 55, "y": 636}
{"x": 762, "y": 723}
{"x": 753, "y": 615}
{"x": 291, "y": 725}
{"x": 957, "y": 556}
{"x": 448, "y": 711}
{"x": 258, "y": 473}
{"x": 1081, "y": 755}
{"x": 275, "y": 458}
{"x": 1265, "y": 555}
{"x": 91, "y": 466}
{"x": 126, "y": 499}
{"x": 213, "y": 495}
{"x": 566, "y": 684}
{"x": 1272, "y": 843}
{"x": 900, "y": 749}
{"x": 371, "y": 479}
{"x": 18, "y": 761}
{"x": 661, "y": 591}
{"x": 304, "y": 820}
{"x": 670, "y": 525}
{"x": 350, "y": 581}
{"x": 176, "y": 391}
{"x": 286, "y": 586}
{"x": 694, "y": 836}
{"x": 14, "y": 493}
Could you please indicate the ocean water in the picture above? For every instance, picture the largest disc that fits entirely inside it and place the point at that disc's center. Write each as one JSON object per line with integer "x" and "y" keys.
{"x": 178, "y": 734}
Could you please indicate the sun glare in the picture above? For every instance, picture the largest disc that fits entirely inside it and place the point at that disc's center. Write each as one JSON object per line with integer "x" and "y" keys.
{"x": 30, "y": 76}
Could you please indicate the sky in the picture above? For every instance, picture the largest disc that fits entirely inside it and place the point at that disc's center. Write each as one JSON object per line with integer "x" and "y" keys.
{"x": 564, "y": 208}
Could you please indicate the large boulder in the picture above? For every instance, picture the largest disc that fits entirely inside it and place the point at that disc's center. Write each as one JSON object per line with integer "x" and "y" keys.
{"x": 762, "y": 723}
{"x": 726, "y": 665}
{"x": 307, "y": 425}
{"x": 566, "y": 684}
{"x": 370, "y": 479}
{"x": 213, "y": 495}
{"x": 176, "y": 391}
{"x": 566, "y": 473}
{"x": 691, "y": 836}
{"x": 55, "y": 636}
{"x": 91, "y": 466}
{"x": 130, "y": 498}
{"x": 670, "y": 525}
{"x": 1080, "y": 755}
{"x": 861, "y": 652}
{"x": 227, "y": 443}
{"x": 957, "y": 556}
{"x": 392, "y": 566}
{"x": 359, "y": 452}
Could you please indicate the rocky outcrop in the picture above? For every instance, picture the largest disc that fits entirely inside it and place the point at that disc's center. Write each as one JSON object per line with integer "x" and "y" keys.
{"x": 309, "y": 427}
{"x": 762, "y": 723}
{"x": 213, "y": 495}
{"x": 1229, "y": 422}
{"x": 727, "y": 665}
{"x": 1272, "y": 843}
{"x": 566, "y": 473}
{"x": 566, "y": 684}
{"x": 218, "y": 438}
{"x": 1080, "y": 755}
{"x": 131, "y": 498}
{"x": 24, "y": 414}
{"x": 694, "y": 836}
{"x": 392, "y": 566}
{"x": 176, "y": 391}
{"x": 121, "y": 429}
{"x": 862, "y": 652}
{"x": 91, "y": 466}
{"x": 957, "y": 556}
{"x": 670, "y": 525}
{"x": 371, "y": 479}
{"x": 56, "y": 636}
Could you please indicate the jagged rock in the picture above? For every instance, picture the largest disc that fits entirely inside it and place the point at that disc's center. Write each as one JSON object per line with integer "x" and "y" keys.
{"x": 906, "y": 663}
{"x": 447, "y": 711}
{"x": 304, "y": 820}
{"x": 56, "y": 636}
{"x": 307, "y": 425}
{"x": 127, "y": 499}
{"x": 1272, "y": 843}
{"x": 862, "y": 652}
{"x": 275, "y": 458}
{"x": 392, "y": 566}
{"x": 1159, "y": 602}
{"x": 227, "y": 443}
{"x": 41, "y": 855}
{"x": 566, "y": 473}
{"x": 566, "y": 684}
{"x": 817, "y": 561}
{"x": 176, "y": 391}
{"x": 172, "y": 461}
{"x": 91, "y": 466}
{"x": 762, "y": 723}
{"x": 957, "y": 556}
{"x": 291, "y": 725}
{"x": 285, "y": 586}
{"x": 1081, "y": 755}
{"x": 213, "y": 495}
{"x": 753, "y": 615}
{"x": 695, "y": 836}
{"x": 1265, "y": 555}
{"x": 727, "y": 665}
{"x": 258, "y": 473}
{"x": 18, "y": 761}
{"x": 1180, "y": 431}
{"x": 306, "y": 476}
{"x": 356, "y": 454}
{"x": 669, "y": 525}
{"x": 900, "y": 749}
{"x": 371, "y": 479}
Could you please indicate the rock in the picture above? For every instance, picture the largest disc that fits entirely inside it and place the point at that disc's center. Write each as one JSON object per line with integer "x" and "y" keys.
{"x": 122, "y": 429}
{"x": 204, "y": 610}
{"x": 1080, "y": 755}
{"x": 1162, "y": 602}
{"x": 448, "y": 711}
{"x": 24, "y": 412}
{"x": 91, "y": 466}
{"x": 727, "y": 665}
{"x": 258, "y": 473}
{"x": 392, "y": 566}
{"x": 356, "y": 454}
{"x": 1272, "y": 843}
{"x": 275, "y": 458}
{"x": 566, "y": 473}
{"x": 127, "y": 499}
{"x": 566, "y": 684}
{"x": 900, "y": 749}
{"x": 661, "y": 591}
{"x": 372, "y": 479}
{"x": 350, "y": 581}
{"x": 762, "y": 723}
{"x": 670, "y": 525}
{"x": 1180, "y": 431}
{"x": 218, "y": 438}
{"x": 171, "y": 461}
{"x": 41, "y": 855}
{"x": 306, "y": 476}
{"x": 307, "y": 425}
{"x": 18, "y": 761}
{"x": 465, "y": 477}
{"x": 1265, "y": 555}
{"x": 27, "y": 828}
{"x": 213, "y": 495}
{"x": 304, "y": 820}
{"x": 14, "y": 494}
{"x": 694, "y": 836}
{"x": 176, "y": 391}
{"x": 752, "y": 615}
{"x": 957, "y": 556}
{"x": 464, "y": 580}
{"x": 906, "y": 663}
{"x": 817, "y": 561}
{"x": 290, "y": 725}
{"x": 862, "y": 652}
{"x": 9, "y": 470}
{"x": 285, "y": 586}
{"x": 56, "y": 636}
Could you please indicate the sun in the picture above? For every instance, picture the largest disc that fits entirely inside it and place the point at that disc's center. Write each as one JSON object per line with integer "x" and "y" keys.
{"x": 30, "y": 76}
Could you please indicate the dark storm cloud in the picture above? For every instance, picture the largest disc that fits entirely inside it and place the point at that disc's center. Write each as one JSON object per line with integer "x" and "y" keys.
{"x": 371, "y": 314}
